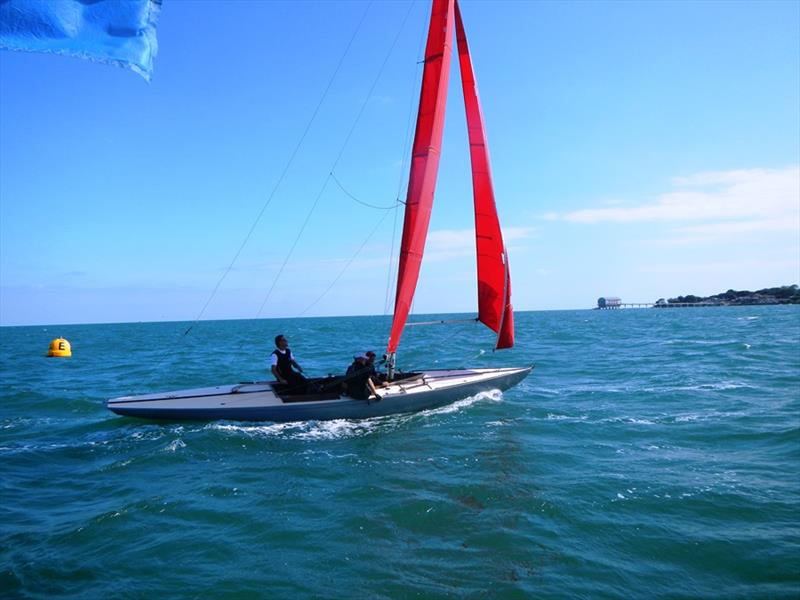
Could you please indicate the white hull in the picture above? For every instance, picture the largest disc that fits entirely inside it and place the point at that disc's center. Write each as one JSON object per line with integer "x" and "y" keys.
{"x": 258, "y": 401}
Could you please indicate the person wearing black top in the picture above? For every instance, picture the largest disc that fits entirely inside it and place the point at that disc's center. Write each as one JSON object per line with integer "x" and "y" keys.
{"x": 284, "y": 365}
{"x": 359, "y": 382}
{"x": 377, "y": 376}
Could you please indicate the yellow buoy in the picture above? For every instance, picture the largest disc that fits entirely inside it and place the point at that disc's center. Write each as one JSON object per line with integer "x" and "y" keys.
{"x": 60, "y": 347}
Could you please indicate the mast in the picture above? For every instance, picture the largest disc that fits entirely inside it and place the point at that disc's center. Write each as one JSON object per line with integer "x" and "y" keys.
{"x": 424, "y": 164}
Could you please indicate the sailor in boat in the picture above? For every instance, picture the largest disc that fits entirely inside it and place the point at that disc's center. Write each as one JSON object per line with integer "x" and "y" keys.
{"x": 359, "y": 380}
{"x": 284, "y": 365}
{"x": 377, "y": 377}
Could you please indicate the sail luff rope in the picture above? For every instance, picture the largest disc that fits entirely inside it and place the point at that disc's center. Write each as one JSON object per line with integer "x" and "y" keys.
{"x": 423, "y": 173}
{"x": 403, "y": 173}
{"x": 441, "y": 322}
{"x": 335, "y": 162}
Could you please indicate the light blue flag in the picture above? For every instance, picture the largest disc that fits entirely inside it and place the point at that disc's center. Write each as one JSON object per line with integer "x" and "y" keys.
{"x": 121, "y": 32}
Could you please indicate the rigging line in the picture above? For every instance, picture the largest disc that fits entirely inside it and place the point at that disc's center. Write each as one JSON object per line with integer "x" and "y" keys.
{"x": 294, "y": 245}
{"x": 341, "y": 187}
{"x": 407, "y": 141}
{"x": 462, "y": 357}
{"x": 389, "y": 270}
{"x": 442, "y": 322}
{"x": 335, "y": 162}
{"x": 349, "y": 262}
{"x": 372, "y": 87}
{"x": 285, "y": 169}
{"x": 289, "y": 163}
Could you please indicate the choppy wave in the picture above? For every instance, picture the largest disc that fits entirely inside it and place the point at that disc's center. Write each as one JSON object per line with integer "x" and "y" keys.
{"x": 640, "y": 434}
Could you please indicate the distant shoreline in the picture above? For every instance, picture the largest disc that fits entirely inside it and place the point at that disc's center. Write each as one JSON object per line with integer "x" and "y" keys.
{"x": 185, "y": 322}
{"x": 787, "y": 294}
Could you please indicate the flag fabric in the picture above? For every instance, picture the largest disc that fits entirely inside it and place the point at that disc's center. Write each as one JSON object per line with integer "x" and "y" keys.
{"x": 121, "y": 32}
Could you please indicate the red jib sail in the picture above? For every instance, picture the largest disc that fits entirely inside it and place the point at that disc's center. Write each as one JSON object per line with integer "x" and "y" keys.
{"x": 494, "y": 282}
{"x": 424, "y": 161}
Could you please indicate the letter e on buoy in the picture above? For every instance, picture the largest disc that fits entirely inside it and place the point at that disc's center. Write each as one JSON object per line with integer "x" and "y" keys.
{"x": 60, "y": 347}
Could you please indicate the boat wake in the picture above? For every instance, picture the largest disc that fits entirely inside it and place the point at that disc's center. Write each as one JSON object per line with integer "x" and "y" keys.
{"x": 493, "y": 395}
{"x": 345, "y": 428}
{"x": 303, "y": 430}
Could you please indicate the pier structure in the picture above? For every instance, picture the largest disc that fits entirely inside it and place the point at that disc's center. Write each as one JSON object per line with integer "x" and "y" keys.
{"x": 613, "y": 303}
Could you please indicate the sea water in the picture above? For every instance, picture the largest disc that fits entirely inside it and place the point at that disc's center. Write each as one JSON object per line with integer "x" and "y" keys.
{"x": 650, "y": 454}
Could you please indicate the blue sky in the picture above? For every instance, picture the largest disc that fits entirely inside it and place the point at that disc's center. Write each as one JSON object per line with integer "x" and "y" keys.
{"x": 641, "y": 150}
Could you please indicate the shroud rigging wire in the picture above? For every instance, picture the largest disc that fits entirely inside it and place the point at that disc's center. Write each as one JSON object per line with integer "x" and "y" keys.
{"x": 289, "y": 162}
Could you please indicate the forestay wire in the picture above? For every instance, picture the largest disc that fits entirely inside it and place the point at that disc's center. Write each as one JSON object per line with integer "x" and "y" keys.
{"x": 335, "y": 162}
{"x": 285, "y": 169}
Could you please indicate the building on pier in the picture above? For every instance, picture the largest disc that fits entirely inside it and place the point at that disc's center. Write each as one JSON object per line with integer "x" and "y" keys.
{"x": 609, "y": 302}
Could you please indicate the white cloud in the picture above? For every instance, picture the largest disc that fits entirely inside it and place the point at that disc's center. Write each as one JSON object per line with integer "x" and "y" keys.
{"x": 444, "y": 244}
{"x": 735, "y": 227}
{"x": 721, "y": 266}
{"x": 766, "y": 197}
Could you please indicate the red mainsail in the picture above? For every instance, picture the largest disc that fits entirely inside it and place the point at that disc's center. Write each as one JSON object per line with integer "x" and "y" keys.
{"x": 424, "y": 161}
{"x": 494, "y": 281}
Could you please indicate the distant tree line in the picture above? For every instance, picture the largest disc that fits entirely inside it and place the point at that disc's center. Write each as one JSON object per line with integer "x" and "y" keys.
{"x": 786, "y": 294}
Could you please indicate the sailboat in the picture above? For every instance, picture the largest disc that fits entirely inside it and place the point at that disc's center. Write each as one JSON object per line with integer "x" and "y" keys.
{"x": 322, "y": 399}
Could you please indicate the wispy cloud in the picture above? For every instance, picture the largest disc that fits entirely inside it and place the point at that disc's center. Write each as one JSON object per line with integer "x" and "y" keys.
{"x": 444, "y": 244}
{"x": 715, "y": 267}
{"x": 735, "y": 227}
{"x": 382, "y": 99}
{"x": 739, "y": 201}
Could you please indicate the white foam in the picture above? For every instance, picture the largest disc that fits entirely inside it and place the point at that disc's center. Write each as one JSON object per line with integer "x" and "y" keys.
{"x": 493, "y": 395}
{"x": 305, "y": 430}
{"x": 633, "y": 420}
{"x": 712, "y": 414}
{"x": 687, "y": 418}
{"x": 700, "y": 387}
{"x": 344, "y": 428}
{"x": 338, "y": 429}
{"x": 174, "y": 445}
{"x": 554, "y": 417}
